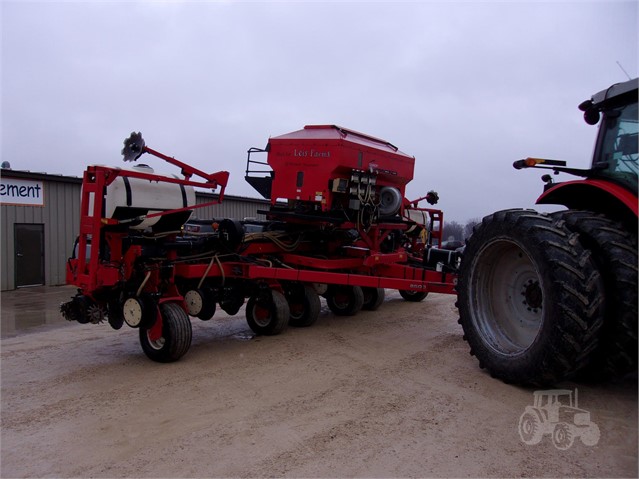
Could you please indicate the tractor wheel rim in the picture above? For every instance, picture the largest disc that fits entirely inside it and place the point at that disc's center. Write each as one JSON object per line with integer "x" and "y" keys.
{"x": 528, "y": 426}
{"x": 507, "y": 296}
{"x": 562, "y": 437}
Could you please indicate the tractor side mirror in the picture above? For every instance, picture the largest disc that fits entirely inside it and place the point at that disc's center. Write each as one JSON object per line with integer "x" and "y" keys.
{"x": 591, "y": 114}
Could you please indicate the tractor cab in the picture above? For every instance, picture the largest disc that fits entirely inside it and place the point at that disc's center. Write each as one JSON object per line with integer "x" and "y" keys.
{"x": 609, "y": 186}
{"x": 617, "y": 150}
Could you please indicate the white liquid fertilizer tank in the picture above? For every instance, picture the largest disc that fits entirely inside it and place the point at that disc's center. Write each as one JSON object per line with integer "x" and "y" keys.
{"x": 128, "y": 197}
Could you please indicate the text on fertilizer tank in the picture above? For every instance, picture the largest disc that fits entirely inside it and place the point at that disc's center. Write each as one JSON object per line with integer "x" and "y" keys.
{"x": 21, "y": 192}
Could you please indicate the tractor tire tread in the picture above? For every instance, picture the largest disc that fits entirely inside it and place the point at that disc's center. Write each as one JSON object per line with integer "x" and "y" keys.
{"x": 615, "y": 252}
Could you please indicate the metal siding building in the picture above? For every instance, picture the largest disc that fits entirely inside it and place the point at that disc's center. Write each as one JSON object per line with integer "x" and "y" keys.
{"x": 35, "y": 241}
{"x": 235, "y": 207}
{"x": 51, "y": 228}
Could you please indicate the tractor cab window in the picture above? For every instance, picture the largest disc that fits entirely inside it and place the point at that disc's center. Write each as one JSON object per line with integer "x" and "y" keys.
{"x": 547, "y": 401}
{"x": 618, "y": 148}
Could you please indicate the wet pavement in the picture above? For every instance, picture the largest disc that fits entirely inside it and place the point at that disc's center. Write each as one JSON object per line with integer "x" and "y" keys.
{"x": 27, "y": 310}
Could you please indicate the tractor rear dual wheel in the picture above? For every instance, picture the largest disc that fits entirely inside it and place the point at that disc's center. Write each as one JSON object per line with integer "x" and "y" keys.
{"x": 615, "y": 253}
{"x": 529, "y": 297}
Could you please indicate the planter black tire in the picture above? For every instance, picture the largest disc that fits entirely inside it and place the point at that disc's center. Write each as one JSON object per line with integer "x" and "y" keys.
{"x": 373, "y": 298}
{"x": 615, "y": 252}
{"x": 413, "y": 296}
{"x": 267, "y": 313}
{"x": 344, "y": 300}
{"x": 304, "y": 304}
{"x": 208, "y": 308}
{"x": 176, "y": 335}
{"x": 530, "y": 298}
{"x": 114, "y": 313}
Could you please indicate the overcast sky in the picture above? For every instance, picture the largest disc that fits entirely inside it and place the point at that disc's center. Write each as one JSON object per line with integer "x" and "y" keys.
{"x": 465, "y": 87}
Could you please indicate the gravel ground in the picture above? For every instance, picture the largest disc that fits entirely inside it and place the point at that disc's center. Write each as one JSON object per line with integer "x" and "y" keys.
{"x": 388, "y": 393}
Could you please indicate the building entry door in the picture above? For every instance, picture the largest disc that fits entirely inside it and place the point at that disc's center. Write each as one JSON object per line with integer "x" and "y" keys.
{"x": 29, "y": 248}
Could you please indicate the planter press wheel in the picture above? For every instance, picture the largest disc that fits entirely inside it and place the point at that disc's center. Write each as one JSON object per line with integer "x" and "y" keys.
{"x": 267, "y": 312}
{"x": 138, "y": 312}
{"x": 114, "y": 313}
{"x": 200, "y": 302}
{"x": 345, "y": 300}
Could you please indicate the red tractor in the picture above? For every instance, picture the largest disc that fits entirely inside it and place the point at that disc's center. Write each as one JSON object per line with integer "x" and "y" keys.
{"x": 545, "y": 297}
